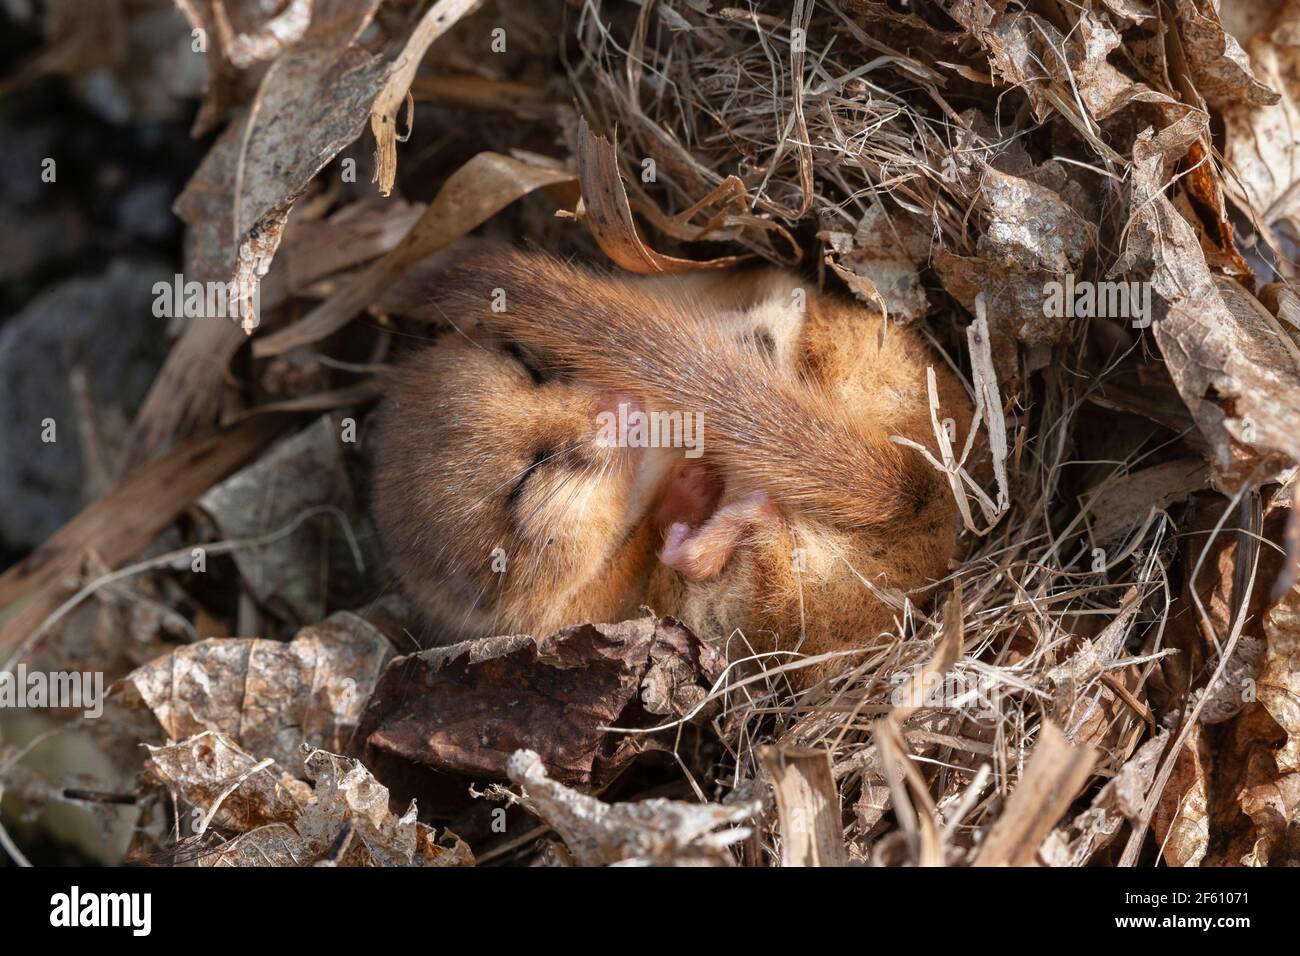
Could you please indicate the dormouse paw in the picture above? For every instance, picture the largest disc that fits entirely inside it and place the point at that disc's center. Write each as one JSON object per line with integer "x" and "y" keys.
{"x": 702, "y": 552}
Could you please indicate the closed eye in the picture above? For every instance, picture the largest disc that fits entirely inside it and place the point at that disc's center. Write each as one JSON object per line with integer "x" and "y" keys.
{"x": 518, "y": 354}
{"x": 543, "y": 455}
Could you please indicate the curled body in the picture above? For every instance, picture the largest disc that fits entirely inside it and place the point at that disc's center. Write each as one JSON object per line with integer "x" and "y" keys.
{"x": 505, "y": 507}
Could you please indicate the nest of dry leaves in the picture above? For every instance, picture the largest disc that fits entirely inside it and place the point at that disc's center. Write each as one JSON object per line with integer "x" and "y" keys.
{"x": 1108, "y": 676}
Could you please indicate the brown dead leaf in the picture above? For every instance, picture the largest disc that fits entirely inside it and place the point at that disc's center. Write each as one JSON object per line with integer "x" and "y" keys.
{"x": 276, "y": 844}
{"x": 860, "y": 285}
{"x": 1233, "y": 367}
{"x": 1251, "y": 807}
{"x": 439, "y": 18}
{"x": 330, "y": 558}
{"x": 1197, "y": 72}
{"x": 1263, "y": 140}
{"x": 1220, "y": 68}
{"x": 1274, "y": 809}
{"x": 648, "y": 833}
{"x": 234, "y": 189}
{"x": 881, "y": 261}
{"x": 1056, "y": 73}
{"x": 463, "y": 710}
{"x": 1202, "y": 617}
{"x": 268, "y": 40}
{"x": 269, "y": 697}
{"x": 1181, "y": 821}
{"x": 343, "y": 819}
{"x": 609, "y": 217}
{"x": 1279, "y": 683}
{"x": 1134, "y": 11}
{"x": 234, "y": 789}
{"x": 1121, "y": 505}
{"x": 311, "y": 104}
{"x": 347, "y": 796}
{"x": 473, "y": 194}
{"x": 1034, "y": 236}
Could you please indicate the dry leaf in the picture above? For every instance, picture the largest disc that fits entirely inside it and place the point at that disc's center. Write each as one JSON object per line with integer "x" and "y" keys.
{"x": 1122, "y": 504}
{"x": 276, "y": 844}
{"x": 329, "y": 552}
{"x": 310, "y": 106}
{"x": 885, "y": 254}
{"x": 269, "y": 40}
{"x": 439, "y": 18}
{"x": 463, "y": 710}
{"x": 1279, "y": 682}
{"x": 1033, "y": 237}
{"x": 609, "y": 217}
{"x": 234, "y": 789}
{"x": 1181, "y": 822}
{"x": 1055, "y": 72}
{"x": 473, "y": 194}
{"x": 1274, "y": 809}
{"x": 312, "y": 102}
{"x": 344, "y": 819}
{"x": 269, "y": 697}
{"x": 649, "y": 833}
{"x": 1262, "y": 142}
{"x": 346, "y": 795}
{"x": 1232, "y": 365}
{"x": 1220, "y": 67}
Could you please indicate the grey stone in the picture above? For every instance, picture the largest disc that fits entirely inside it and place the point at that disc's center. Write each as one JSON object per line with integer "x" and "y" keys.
{"x": 106, "y": 325}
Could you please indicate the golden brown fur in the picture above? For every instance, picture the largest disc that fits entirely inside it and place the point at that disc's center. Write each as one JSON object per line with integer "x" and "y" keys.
{"x": 766, "y": 540}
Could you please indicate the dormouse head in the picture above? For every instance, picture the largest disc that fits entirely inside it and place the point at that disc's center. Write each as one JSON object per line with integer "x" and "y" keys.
{"x": 503, "y": 505}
